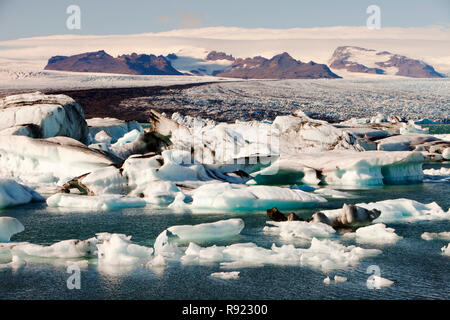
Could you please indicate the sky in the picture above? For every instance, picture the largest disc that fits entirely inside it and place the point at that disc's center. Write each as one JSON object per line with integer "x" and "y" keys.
{"x": 24, "y": 18}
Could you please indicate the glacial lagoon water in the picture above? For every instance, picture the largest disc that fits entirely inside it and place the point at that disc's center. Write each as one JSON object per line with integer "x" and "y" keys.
{"x": 416, "y": 266}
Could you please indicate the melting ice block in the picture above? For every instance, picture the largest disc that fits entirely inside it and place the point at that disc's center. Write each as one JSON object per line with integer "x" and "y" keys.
{"x": 13, "y": 194}
{"x": 377, "y": 234}
{"x": 208, "y": 231}
{"x": 232, "y": 275}
{"x": 431, "y": 236}
{"x": 66, "y": 249}
{"x": 325, "y": 255}
{"x": 446, "y": 250}
{"x": 400, "y": 210}
{"x": 104, "y": 202}
{"x": 117, "y": 250}
{"x": 8, "y": 227}
{"x": 290, "y": 230}
{"x": 224, "y": 196}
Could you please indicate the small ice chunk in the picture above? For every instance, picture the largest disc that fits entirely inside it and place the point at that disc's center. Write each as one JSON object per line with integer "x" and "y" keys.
{"x": 118, "y": 250}
{"x": 208, "y": 231}
{"x": 289, "y": 230}
{"x": 232, "y": 275}
{"x": 67, "y": 249}
{"x": 327, "y": 280}
{"x": 336, "y": 194}
{"x": 13, "y": 194}
{"x": 377, "y": 282}
{"x": 446, "y": 250}
{"x": 103, "y": 202}
{"x": 377, "y": 234}
{"x": 432, "y": 235}
{"x": 339, "y": 279}
{"x": 8, "y": 227}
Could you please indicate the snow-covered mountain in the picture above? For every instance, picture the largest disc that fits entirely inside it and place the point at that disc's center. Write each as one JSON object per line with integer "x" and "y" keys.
{"x": 357, "y": 59}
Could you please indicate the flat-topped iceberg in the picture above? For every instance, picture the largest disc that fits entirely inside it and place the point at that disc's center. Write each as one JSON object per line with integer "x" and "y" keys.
{"x": 66, "y": 249}
{"x": 291, "y": 230}
{"x": 104, "y": 202}
{"x": 347, "y": 168}
{"x": 325, "y": 255}
{"x": 53, "y": 159}
{"x": 208, "y": 231}
{"x": 226, "y": 196}
{"x": 51, "y": 115}
{"x": 376, "y": 234}
{"x": 13, "y": 194}
{"x": 400, "y": 210}
{"x": 8, "y": 227}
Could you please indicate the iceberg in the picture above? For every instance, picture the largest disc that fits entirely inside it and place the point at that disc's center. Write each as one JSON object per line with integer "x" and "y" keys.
{"x": 376, "y": 234}
{"x": 110, "y": 130}
{"x": 103, "y": 202}
{"x": 51, "y": 115}
{"x": 369, "y": 168}
{"x": 8, "y": 227}
{"x": 325, "y": 255}
{"x": 54, "y": 158}
{"x": 13, "y": 194}
{"x": 117, "y": 250}
{"x": 208, "y": 231}
{"x": 291, "y": 230}
{"x": 377, "y": 282}
{"x": 226, "y": 196}
{"x": 432, "y": 235}
{"x": 66, "y": 249}
{"x": 446, "y": 250}
{"x": 232, "y": 275}
{"x": 394, "y": 210}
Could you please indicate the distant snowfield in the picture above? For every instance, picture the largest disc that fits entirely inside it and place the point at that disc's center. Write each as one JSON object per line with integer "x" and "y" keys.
{"x": 22, "y": 61}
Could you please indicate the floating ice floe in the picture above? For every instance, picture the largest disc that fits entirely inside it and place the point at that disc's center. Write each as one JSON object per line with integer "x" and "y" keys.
{"x": 46, "y": 115}
{"x": 291, "y": 230}
{"x": 8, "y": 227}
{"x": 208, "y": 231}
{"x": 432, "y": 235}
{"x": 117, "y": 250}
{"x": 66, "y": 249}
{"x": 339, "y": 279}
{"x": 400, "y": 210}
{"x": 376, "y": 234}
{"x": 345, "y": 168}
{"x": 336, "y": 194}
{"x": 226, "y": 196}
{"x": 103, "y": 202}
{"x": 13, "y": 194}
{"x": 232, "y": 275}
{"x": 446, "y": 250}
{"x": 437, "y": 175}
{"x": 325, "y": 255}
{"x": 377, "y": 282}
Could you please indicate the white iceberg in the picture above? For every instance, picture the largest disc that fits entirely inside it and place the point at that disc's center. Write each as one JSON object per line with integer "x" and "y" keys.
{"x": 432, "y": 235}
{"x": 325, "y": 255}
{"x": 52, "y": 115}
{"x": 66, "y": 249}
{"x": 377, "y": 282}
{"x": 13, "y": 194}
{"x": 8, "y": 227}
{"x": 208, "y": 231}
{"x": 53, "y": 159}
{"x": 400, "y": 210}
{"x": 376, "y": 234}
{"x": 117, "y": 250}
{"x": 103, "y": 202}
{"x": 291, "y": 230}
{"x": 226, "y": 196}
{"x": 446, "y": 250}
{"x": 232, "y": 275}
{"x": 110, "y": 127}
